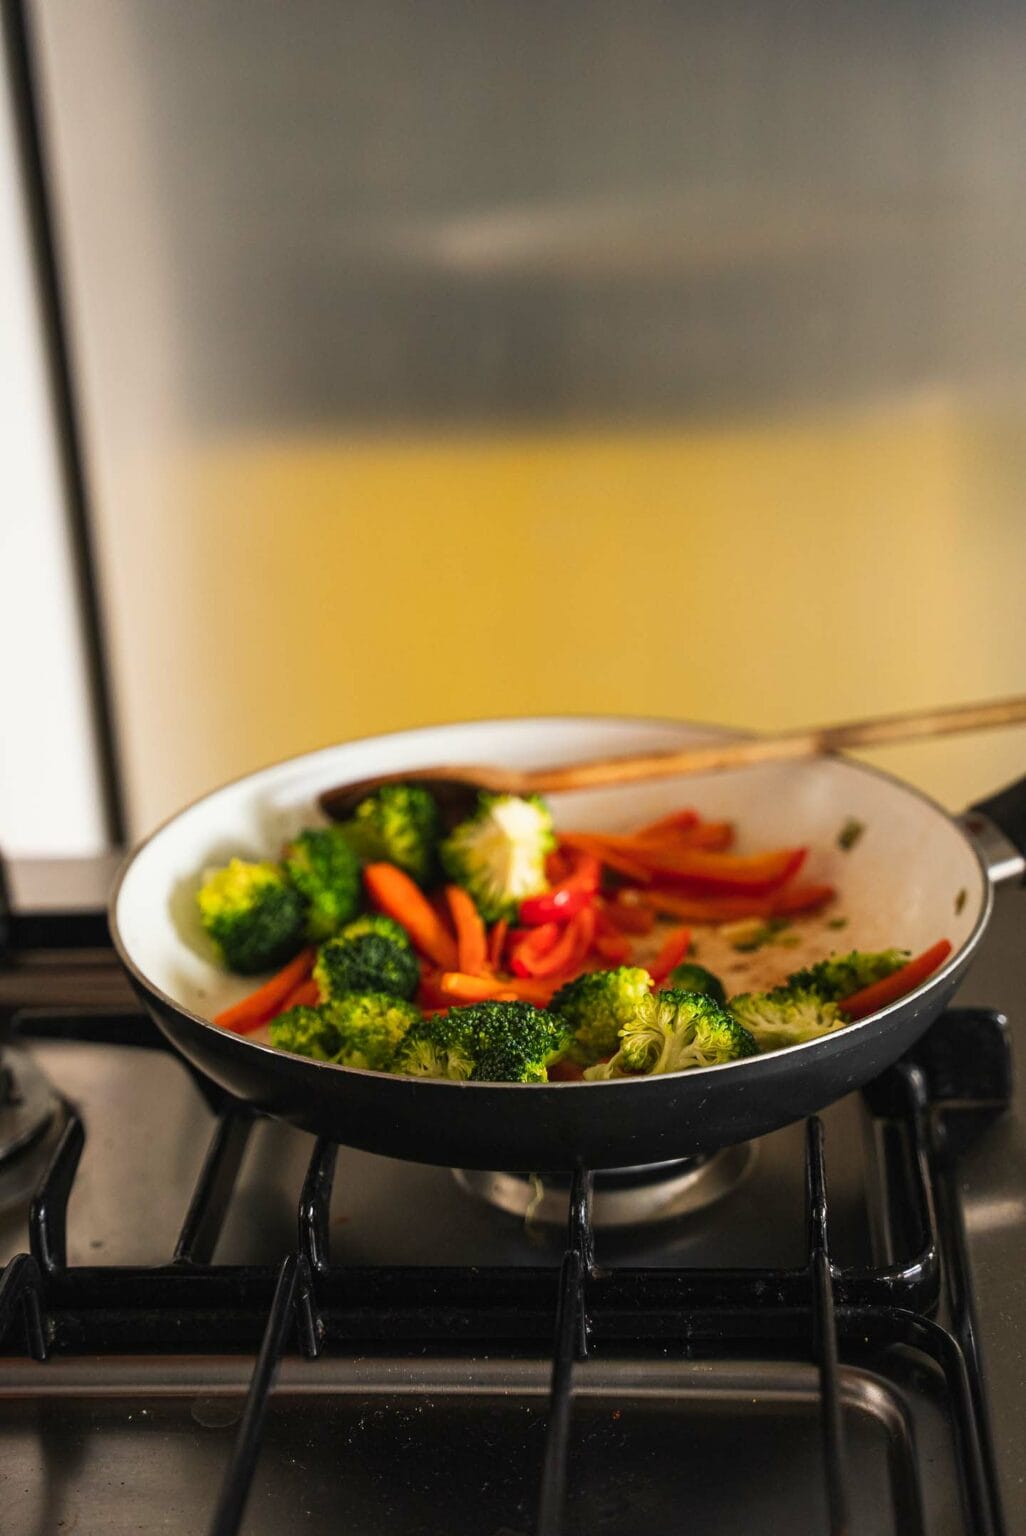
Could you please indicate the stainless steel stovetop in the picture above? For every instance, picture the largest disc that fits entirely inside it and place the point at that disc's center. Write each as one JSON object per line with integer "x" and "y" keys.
{"x": 427, "y": 1409}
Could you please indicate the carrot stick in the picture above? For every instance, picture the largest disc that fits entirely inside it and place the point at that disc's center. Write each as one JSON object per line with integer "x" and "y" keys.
{"x": 860, "y": 1004}
{"x": 471, "y": 939}
{"x": 585, "y": 842}
{"x": 262, "y": 1004}
{"x": 728, "y": 909}
{"x": 458, "y": 987}
{"x": 676, "y": 946}
{"x": 394, "y": 893}
{"x": 677, "y": 821}
{"x": 306, "y": 995}
{"x": 715, "y": 836}
{"x": 538, "y": 990}
{"x": 496, "y": 941}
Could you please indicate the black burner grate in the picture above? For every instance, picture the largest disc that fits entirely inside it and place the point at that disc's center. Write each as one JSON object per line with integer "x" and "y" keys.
{"x": 929, "y": 1106}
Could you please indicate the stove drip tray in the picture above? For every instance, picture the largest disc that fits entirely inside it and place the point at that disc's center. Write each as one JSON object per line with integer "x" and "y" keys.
{"x": 623, "y": 1197}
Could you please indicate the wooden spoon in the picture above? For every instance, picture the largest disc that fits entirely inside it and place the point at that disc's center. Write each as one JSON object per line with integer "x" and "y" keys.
{"x": 456, "y": 784}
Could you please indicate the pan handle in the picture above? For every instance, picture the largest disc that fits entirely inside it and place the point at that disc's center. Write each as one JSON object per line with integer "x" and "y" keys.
{"x": 997, "y": 826}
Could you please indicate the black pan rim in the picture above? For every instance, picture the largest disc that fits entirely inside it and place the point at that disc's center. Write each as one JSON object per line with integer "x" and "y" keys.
{"x": 957, "y": 961}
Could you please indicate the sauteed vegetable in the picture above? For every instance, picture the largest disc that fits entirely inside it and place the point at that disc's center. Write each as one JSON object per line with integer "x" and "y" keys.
{"x": 508, "y": 952}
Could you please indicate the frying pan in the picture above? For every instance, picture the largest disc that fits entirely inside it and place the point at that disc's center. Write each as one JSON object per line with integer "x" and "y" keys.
{"x": 913, "y": 876}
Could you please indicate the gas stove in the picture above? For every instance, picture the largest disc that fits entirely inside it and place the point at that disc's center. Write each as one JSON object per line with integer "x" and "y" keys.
{"x": 211, "y": 1322}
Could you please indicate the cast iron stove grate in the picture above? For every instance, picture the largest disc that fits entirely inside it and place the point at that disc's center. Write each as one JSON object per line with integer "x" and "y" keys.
{"x": 930, "y": 1105}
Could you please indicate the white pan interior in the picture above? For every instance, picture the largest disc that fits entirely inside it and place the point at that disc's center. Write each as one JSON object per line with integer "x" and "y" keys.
{"x": 902, "y": 883}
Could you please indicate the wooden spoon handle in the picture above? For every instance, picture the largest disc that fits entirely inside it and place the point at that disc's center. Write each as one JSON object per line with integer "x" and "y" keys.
{"x": 781, "y": 747}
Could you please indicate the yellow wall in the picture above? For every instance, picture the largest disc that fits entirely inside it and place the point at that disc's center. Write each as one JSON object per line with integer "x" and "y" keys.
{"x": 273, "y": 595}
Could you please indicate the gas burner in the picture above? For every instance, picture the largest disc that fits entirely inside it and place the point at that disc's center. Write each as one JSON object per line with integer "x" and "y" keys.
{"x": 623, "y": 1197}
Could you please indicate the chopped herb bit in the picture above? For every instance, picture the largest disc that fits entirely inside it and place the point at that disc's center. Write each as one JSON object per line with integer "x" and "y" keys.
{"x": 960, "y": 900}
{"x": 850, "y": 833}
{"x": 751, "y": 933}
{"x": 838, "y": 922}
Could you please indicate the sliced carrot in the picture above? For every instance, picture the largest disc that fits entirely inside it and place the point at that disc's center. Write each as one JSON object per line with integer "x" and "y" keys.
{"x": 471, "y": 938}
{"x": 585, "y": 842}
{"x": 675, "y": 947}
{"x": 728, "y": 909}
{"x": 394, "y": 893}
{"x": 538, "y": 990}
{"x": 306, "y": 995}
{"x": 677, "y": 821}
{"x": 860, "y": 1004}
{"x": 458, "y": 987}
{"x": 266, "y": 1001}
{"x": 496, "y": 942}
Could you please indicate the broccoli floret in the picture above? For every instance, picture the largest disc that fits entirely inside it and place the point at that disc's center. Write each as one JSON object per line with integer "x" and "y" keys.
{"x": 398, "y": 824}
{"x": 370, "y": 1027}
{"x": 377, "y": 922}
{"x": 598, "y": 1005}
{"x": 515, "y": 1042}
{"x": 326, "y": 873}
{"x": 689, "y": 977}
{"x": 305, "y": 1032}
{"x": 498, "y": 855}
{"x": 254, "y": 916}
{"x": 786, "y": 1016}
{"x": 365, "y": 960}
{"x": 359, "y": 1030}
{"x": 509, "y": 1042}
{"x": 841, "y": 975}
{"x": 674, "y": 1031}
{"x": 436, "y": 1048}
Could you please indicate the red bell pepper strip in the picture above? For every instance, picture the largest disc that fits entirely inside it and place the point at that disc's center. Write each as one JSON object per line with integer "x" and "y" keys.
{"x": 568, "y": 896}
{"x": 676, "y": 946}
{"x": 571, "y": 948}
{"x": 609, "y": 942}
{"x": 698, "y": 867}
{"x": 529, "y": 946}
{"x": 267, "y": 1000}
{"x": 557, "y": 905}
{"x": 728, "y": 909}
{"x": 471, "y": 938}
{"x": 586, "y": 842}
{"x": 558, "y": 865}
{"x": 629, "y": 915}
{"x": 861, "y": 1004}
{"x": 496, "y": 942}
{"x": 716, "y": 836}
{"x": 677, "y": 821}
